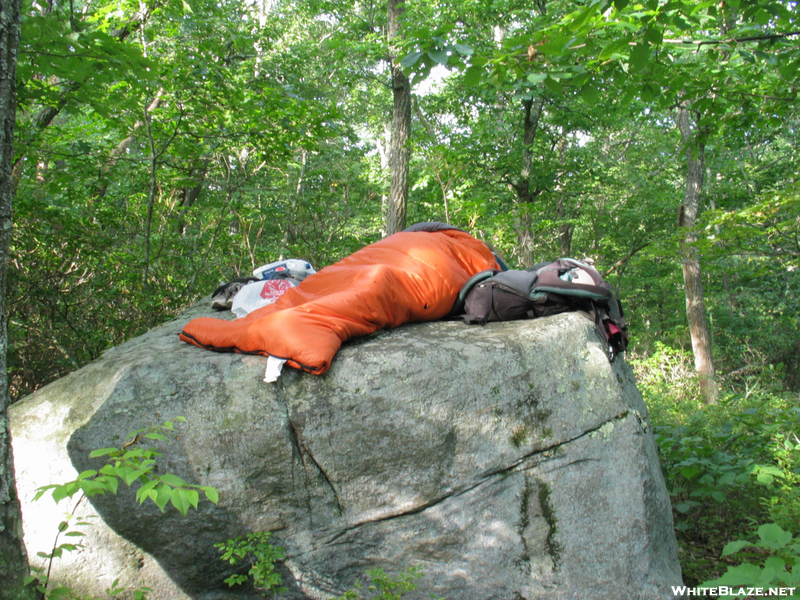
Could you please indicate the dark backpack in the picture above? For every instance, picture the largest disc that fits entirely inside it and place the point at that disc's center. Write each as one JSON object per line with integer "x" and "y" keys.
{"x": 546, "y": 289}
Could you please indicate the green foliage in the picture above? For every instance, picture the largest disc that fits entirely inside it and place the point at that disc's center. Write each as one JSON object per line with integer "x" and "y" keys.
{"x": 256, "y": 549}
{"x": 727, "y": 466}
{"x": 781, "y": 568}
{"x": 132, "y": 463}
{"x": 384, "y": 587}
{"x": 59, "y": 592}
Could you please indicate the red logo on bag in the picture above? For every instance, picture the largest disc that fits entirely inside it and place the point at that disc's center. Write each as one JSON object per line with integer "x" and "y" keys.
{"x": 274, "y": 289}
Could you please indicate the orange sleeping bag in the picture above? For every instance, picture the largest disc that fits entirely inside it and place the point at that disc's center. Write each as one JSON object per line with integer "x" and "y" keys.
{"x": 409, "y": 276}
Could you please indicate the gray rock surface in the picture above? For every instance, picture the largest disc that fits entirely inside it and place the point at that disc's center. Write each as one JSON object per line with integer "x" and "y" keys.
{"x": 510, "y": 462}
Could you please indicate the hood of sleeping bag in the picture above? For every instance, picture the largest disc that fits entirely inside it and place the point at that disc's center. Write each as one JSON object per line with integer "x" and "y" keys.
{"x": 411, "y": 276}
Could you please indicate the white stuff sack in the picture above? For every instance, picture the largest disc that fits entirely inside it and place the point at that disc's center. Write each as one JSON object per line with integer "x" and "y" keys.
{"x": 292, "y": 268}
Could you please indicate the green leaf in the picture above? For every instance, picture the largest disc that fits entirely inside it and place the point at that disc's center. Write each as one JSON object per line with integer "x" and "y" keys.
{"x": 65, "y": 491}
{"x": 613, "y": 48}
{"x": 685, "y": 507}
{"x": 162, "y": 495}
{"x": 554, "y": 86}
{"x": 738, "y": 575}
{"x": 654, "y": 35}
{"x": 590, "y": 94}
{"x": 133, "y": 475}
{"x": 211, "y": 493}
{"x": 773, "y": 536}
{"x": 583, "y": 17}
{"x": 639, "y": 57}
{"x": 537, "y": 77}
{"x": 144, "y": 492}
{"x": 734, "y": 547}
{"x": 184, "y": 499}
{"x": 472, "y": 76}
{"x": 60, "y": 592}
{"x": 648, "y": 93}
{"x": 765, "y": 478}
{"x": 464, "y": 49}
{"x": 690, "y": 472}
{"x": 111, "y": 484}
{"x": 172, "y": 480}
{"x": 409, "y": 60}
{"x": 438, "y": 56}
{"x": 102, "y": 452}
{"x": 789, "y": 68}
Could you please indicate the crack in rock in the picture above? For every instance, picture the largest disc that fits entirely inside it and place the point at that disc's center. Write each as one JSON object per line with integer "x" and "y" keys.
{"x": 300, "y": 449}
{"x": 519, "y": 464}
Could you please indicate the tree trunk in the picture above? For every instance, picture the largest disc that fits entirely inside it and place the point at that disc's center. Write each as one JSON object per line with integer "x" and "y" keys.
{"x": 533, "y": 113}
{"x": 565, "y": 230}
{"x": 189, "y": 194}
{"x": 296, "y": 196}
{"x": 400, "y": 153}
{"x": 692, "y": 272}
{"x": 13, "y": 558}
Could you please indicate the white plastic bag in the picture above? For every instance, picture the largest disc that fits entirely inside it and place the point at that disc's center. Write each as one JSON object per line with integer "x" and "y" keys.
{"x": 259, "y": 293}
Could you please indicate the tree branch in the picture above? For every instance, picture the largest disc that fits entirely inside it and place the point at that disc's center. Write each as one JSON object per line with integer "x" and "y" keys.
{"x": 734, "y": 40}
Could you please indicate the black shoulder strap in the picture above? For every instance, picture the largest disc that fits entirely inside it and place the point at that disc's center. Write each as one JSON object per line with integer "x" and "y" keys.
{"x": 478, "y": 308}
{"x": 458, "y": 307}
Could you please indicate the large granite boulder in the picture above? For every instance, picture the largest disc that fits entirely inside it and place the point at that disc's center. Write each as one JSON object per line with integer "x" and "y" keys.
{"x": 510, "y": 462}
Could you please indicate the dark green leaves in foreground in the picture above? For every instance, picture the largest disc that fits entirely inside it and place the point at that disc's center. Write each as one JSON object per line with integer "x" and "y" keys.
{"x": 132, "y": 463}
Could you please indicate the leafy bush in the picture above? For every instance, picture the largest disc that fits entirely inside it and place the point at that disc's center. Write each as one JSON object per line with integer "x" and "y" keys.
{"x": 384, "y": 587}
{"x": 262, "y": 555}
{"x": 780, "y": 569}
{"x": 129, "y": 463}
{"x": 728, "y": 467}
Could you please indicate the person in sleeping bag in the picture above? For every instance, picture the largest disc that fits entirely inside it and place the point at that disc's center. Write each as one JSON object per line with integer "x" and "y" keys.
{"x": 414, "y": 275}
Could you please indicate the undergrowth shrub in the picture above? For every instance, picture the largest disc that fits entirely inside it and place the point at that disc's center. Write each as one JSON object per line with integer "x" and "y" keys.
{"x": 730, "y": 468}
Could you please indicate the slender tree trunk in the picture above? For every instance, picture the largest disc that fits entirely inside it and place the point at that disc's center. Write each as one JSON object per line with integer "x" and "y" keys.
{"x": 384, "y": 144}
{"x": 525, "y": 196}
{"x": 296, "y": 197}
{"x": 564, "y": 229}
{"x": 533, "y": 113}
{"x": 151, "y": 199}
{"x": 400, "y": 153}
{"x": 13, "y": 558}
{"x": 692, "y": 272}
{"x": 189, "y": 194}
{"x": 119, "y": 151}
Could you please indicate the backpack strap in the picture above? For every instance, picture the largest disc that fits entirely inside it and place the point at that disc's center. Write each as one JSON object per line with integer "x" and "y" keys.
{"x": 478, "y": 309}
{"x": 458, "y": 307}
